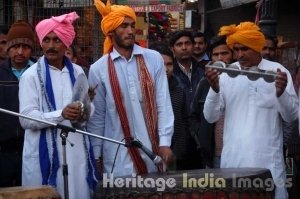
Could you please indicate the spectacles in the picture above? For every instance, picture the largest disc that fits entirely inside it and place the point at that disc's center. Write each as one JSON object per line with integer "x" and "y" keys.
{"x": 253, "y": 73}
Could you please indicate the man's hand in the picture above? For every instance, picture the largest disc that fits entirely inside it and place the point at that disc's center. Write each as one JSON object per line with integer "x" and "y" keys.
{"x": 212, "y": 76}
{"x": 166, "y": 154}
{"x": 73, "y": 111}
{"x": 280, "y": 82}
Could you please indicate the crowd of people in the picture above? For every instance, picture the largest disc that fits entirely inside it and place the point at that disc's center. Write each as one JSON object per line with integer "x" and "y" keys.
{"x": 164, "y": 96}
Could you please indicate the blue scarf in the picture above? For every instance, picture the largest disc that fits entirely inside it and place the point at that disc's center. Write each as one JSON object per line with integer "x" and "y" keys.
{"x": 50, "y": 165}
{"x": 49, "y": 169}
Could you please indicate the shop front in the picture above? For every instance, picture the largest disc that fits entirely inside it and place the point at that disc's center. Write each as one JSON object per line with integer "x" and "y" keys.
{"x": 156, "y": 19}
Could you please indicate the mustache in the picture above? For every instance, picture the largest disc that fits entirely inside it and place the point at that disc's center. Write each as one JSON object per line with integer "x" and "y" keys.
{"x": 20, "y": 57}
{"x": 130, "y": 37}
{"x": 51, "y": 50}
{"x": 241, "y": 59}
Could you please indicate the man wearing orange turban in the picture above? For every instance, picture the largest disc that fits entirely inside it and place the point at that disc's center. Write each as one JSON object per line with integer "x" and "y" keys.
{"x": 246, "y": 33}
{"x": 112, "y": 17}
{"x": 253, "y": 109}
{"x": 132, "y": 97}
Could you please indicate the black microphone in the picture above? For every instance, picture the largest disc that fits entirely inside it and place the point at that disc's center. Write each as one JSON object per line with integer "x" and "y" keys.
{"x": 155, "y": 158}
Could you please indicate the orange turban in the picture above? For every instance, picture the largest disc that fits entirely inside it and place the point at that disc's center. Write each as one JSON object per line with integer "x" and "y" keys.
{"x": 112, "y": 17}
{"x": 246, "y": 33}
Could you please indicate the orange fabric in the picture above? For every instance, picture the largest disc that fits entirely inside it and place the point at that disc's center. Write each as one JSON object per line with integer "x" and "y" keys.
{"x": 112, "y": 17}
{"x": 246, "y": 33}
{"x": 147, "y": 87}
{"x": 138, "y": 162}
{"x": 148, "y": 91}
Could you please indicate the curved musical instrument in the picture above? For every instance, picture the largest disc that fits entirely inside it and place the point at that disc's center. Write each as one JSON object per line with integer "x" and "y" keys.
{"x": 253, "y": 73}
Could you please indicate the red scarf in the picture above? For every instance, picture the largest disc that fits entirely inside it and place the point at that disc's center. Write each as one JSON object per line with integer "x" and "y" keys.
{"x": 147, "y": 87}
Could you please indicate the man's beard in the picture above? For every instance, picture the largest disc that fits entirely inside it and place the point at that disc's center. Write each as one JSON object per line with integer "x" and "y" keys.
{"x": 121, "y": 44}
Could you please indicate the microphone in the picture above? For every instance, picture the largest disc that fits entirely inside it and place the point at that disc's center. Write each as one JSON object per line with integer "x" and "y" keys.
{"x": 155, "y": 158}
{"x": 80, "y": 96}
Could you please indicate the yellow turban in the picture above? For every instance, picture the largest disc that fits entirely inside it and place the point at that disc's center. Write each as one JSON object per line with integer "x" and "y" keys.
{"x": 112, "y": 17}
{"x": 246, "y": 33}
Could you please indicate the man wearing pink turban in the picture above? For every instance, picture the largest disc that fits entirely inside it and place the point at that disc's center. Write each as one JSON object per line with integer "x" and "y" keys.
{"x": 46, "y": 91}
{"x": 254, "y": 109}
{"x": 132, "y": 97}
{"x": 60, "y": 25}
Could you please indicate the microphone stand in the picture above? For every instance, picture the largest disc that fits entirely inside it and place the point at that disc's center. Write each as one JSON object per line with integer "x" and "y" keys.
{"x": 64, "y": 134}
{"x": 155, "y": 158}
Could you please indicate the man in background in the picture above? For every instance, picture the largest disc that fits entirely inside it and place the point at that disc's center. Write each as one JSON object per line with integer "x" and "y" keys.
{"x": 269, "y": 50}
{"x": 200, "y": 48}
{"x": 188, "y": 73}
{"x": 210, "y": 136}
{"x": 20, "y": 40}
{"x": 181, "y": 135}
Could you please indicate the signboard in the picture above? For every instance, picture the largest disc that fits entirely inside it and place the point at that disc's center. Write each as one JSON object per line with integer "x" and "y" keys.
{"x": 147, "y": 2}
{"x": 233, "y": 3}
{"x": 157, "y": 8}
{"x": 67, "y": 3}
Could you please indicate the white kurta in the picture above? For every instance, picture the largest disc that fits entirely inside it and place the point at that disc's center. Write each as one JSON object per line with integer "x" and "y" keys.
{"x": 105, "y": 120}
{"x": 31, "y": 105}
{"x": 253, "y": 121}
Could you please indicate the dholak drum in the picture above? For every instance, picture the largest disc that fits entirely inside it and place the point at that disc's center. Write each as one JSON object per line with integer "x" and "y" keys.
{"x": 243, "y": 183}
{"x": 41, "y": 192}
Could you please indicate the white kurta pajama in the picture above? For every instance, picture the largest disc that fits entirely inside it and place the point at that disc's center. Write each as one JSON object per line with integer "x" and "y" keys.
{"x": 253, "y": 122}
{"x": 31, "y": 100}
{"x": 105, "y": 120}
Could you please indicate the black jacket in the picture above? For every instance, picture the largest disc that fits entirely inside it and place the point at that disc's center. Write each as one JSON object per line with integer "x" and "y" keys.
{"x": 189, "y": 86}
{"x": 10, "y": 128}
{"x": 181, "y": 135}
{"x": 202, "y": 131}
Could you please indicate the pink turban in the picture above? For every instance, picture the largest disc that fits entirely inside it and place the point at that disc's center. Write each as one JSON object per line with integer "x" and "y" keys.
{"x": 60, "y": 25}
{"x": 112, "y": 17}
{"x": 246, "y": 33}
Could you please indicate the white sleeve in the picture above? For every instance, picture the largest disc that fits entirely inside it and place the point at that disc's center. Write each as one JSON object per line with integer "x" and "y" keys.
{"x": 96, "y": 123}
{"x": 212, "y": 106}
{"x": 164, "y": 106}
{"x": 288, "y": 102}
{"x": 30, "y": 100}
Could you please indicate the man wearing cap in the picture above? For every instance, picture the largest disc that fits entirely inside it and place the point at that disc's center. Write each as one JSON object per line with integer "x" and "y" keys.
{"x": 46, "y": 94}
{"x": 253, "y": 109}
{"x": 19, "y": 41}
{"x": 132, "y": 97}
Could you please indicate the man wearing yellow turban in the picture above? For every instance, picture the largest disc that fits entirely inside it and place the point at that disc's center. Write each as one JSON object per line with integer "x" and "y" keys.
{"x": 253, "y": 109}
{"x": 132, "y": 97}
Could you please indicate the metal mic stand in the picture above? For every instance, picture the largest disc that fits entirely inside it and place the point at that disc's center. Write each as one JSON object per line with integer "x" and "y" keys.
{"x": 155, "y": 158}
{"x": 64, "y": 134}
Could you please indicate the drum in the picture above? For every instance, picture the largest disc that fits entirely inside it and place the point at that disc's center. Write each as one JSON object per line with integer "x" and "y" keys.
{"x": 243, "y": 183}
{"x": 41, "y": 192}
